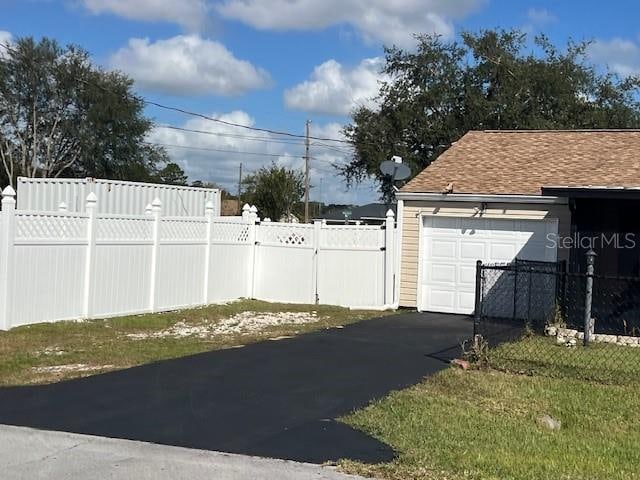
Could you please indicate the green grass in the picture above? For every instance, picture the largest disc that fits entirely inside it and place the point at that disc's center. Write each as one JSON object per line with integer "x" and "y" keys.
{"x": 104, "y": 344}
{"x": 482, "y": 425}
{"x": 538, "y": 355}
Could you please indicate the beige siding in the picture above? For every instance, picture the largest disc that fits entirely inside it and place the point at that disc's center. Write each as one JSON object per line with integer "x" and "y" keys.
{"x": 411, "y": 231}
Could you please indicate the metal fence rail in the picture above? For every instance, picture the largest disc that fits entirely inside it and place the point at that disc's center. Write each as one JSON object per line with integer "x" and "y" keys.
{"x": 537, "y": 317}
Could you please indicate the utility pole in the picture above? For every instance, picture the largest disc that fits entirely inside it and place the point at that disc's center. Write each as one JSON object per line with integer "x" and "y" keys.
{"x": 240, "y": 190}
{"x": 306, "y": 173}
{"x": 320, "y": 201}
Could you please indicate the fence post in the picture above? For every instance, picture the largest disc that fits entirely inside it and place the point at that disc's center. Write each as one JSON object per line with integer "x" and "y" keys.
{"x": 156, "y": 211}
{"x": 515, "y": 291}
{"x": 63, "y": 207}
{"x": 478, "y": 300}
{"x": 245, "y": 211}
{"x": 91, "y": 250}
{"x": 317, "y": 234}
{"x": 251, "y": 216}
{"x": 7, "y": 230}
{"x": 591, "y": 259}
{"x": 389, "y": 277}
{"x": 208, "y": 213}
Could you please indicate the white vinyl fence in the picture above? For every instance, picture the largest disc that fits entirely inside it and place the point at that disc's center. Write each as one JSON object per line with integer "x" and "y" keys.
{"x": 62, "y": 265}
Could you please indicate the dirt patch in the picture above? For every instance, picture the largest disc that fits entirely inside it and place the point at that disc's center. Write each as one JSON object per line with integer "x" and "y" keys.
{"x": 71, "y": 367}
{"x": 241, "y": 324}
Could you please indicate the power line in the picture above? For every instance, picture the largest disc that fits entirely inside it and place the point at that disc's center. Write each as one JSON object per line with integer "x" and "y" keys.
{"x": 206, "y": 149}
{"x": 231, "y": 135}
{"x": 196, "y": 114}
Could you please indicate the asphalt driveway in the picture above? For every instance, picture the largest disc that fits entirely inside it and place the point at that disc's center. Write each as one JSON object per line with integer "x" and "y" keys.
{"x": 274, "y": 399}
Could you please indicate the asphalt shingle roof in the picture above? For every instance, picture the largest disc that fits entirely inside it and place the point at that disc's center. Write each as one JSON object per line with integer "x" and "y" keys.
{"x": 522, "y": 162}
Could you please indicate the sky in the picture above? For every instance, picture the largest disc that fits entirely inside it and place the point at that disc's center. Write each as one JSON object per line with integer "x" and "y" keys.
{"x": 274, "y": 64}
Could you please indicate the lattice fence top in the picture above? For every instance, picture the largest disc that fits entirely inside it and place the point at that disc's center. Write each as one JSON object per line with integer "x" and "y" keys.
{"x": 285, "y": 234}
{"x": 352, "y": 237}
{"x": 182, "y": 229}
{"x": 124, "y": 229}
{"x": 50, "y": 226}
{"x": 230, "y": 232}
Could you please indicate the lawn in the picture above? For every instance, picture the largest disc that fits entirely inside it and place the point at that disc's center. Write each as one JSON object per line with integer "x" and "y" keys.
{"x": 539, "y": 355}
{"x": 51, "y": 352}
{"x": 482, "y": 424}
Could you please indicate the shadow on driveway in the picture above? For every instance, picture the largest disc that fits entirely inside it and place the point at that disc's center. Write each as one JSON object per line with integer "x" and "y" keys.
{"x": 274, "y": 399}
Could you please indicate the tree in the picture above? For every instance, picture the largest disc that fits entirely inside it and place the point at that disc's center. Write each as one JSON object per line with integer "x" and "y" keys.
{"x": 60, "y": 115}
{"x": 172, "y": 174}
{"x": 274, "y": 191}
{"x": 442, "y": 90}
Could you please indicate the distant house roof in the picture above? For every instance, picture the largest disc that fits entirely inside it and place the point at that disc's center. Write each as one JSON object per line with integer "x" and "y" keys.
{"x": 522, "y": 162}
{"x": 369, "y": 211}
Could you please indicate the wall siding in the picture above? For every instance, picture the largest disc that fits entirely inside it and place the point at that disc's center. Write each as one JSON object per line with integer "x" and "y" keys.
{"x": 411, "y": 231}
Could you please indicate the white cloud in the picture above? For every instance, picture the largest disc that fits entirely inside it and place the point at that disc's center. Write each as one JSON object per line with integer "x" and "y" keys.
{"x": 208, "y": 164}
{"x": 619, "y": 55}
{"x": 389, "y": 22}
{"x": 191, "y": 14}
{"x": 187, "y": 65}
{"x": 540, "y": 16}
{"x": 334, "y": 89}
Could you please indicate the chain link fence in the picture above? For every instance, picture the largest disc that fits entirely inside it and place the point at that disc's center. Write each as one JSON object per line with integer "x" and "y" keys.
{"x": 531, "y": 317}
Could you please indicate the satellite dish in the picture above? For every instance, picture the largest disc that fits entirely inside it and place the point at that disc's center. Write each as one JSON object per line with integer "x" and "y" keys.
{"x": 397, "y": 171}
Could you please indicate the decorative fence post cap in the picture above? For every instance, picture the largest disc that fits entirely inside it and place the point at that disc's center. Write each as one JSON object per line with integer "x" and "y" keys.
{"x": 92, "y": 198}
{"x": 246, "y": 207}
{"x": 8, "y": 191}
{"x": 62, "y": 207}
{"x": 390, "y": 213}
{"x": 253, "y": 209}
{"x": 148, "y": 208}
{"x": 157, "y": 203}
{"x": 209, "y": 206}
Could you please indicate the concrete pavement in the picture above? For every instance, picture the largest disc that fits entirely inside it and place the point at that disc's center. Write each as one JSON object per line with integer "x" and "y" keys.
{"x": 29, "y": 454}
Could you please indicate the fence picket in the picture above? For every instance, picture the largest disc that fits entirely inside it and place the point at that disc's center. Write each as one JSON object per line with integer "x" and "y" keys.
{"x": 109, "y": 265}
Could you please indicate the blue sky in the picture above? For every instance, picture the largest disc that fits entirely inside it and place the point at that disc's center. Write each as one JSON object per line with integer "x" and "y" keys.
{"x": 275, "y": 63}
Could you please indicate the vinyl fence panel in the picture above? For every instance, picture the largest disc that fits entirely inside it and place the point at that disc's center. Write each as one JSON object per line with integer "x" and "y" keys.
{"x": 122, "y": 269}
{"x": 61, "y": 265}
{"x": 284, "y": 263}
{"x": 230, "y": 269}
{"x": 114, "y": 196}
{"x": 49, "y": 253}
{"x": 351, "y": 266}
{"x": 181, "y": 265}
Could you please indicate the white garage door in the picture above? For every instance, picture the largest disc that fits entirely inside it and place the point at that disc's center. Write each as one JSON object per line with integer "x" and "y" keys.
{"x": 451, "y": 246}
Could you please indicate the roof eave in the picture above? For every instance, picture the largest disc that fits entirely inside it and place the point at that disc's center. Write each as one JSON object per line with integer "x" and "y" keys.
{"x": 479, "y": 197}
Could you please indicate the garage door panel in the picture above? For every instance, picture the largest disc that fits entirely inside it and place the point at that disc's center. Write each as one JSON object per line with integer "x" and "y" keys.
{"x": 443, "y": 273}
{"x": 442, "y": 299}
{"x": 501, "y": 228}
{"x": 471, "y": 250}
{"x": 443, "y": 249}
{"x": 442, "y": 225}
{"x": 451, "y": 247}
{"x": 501, "y": 252}
{"x": 476, "y": 229}
{"x": 466, "y": 302}
{"x": 467, "y": 275}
